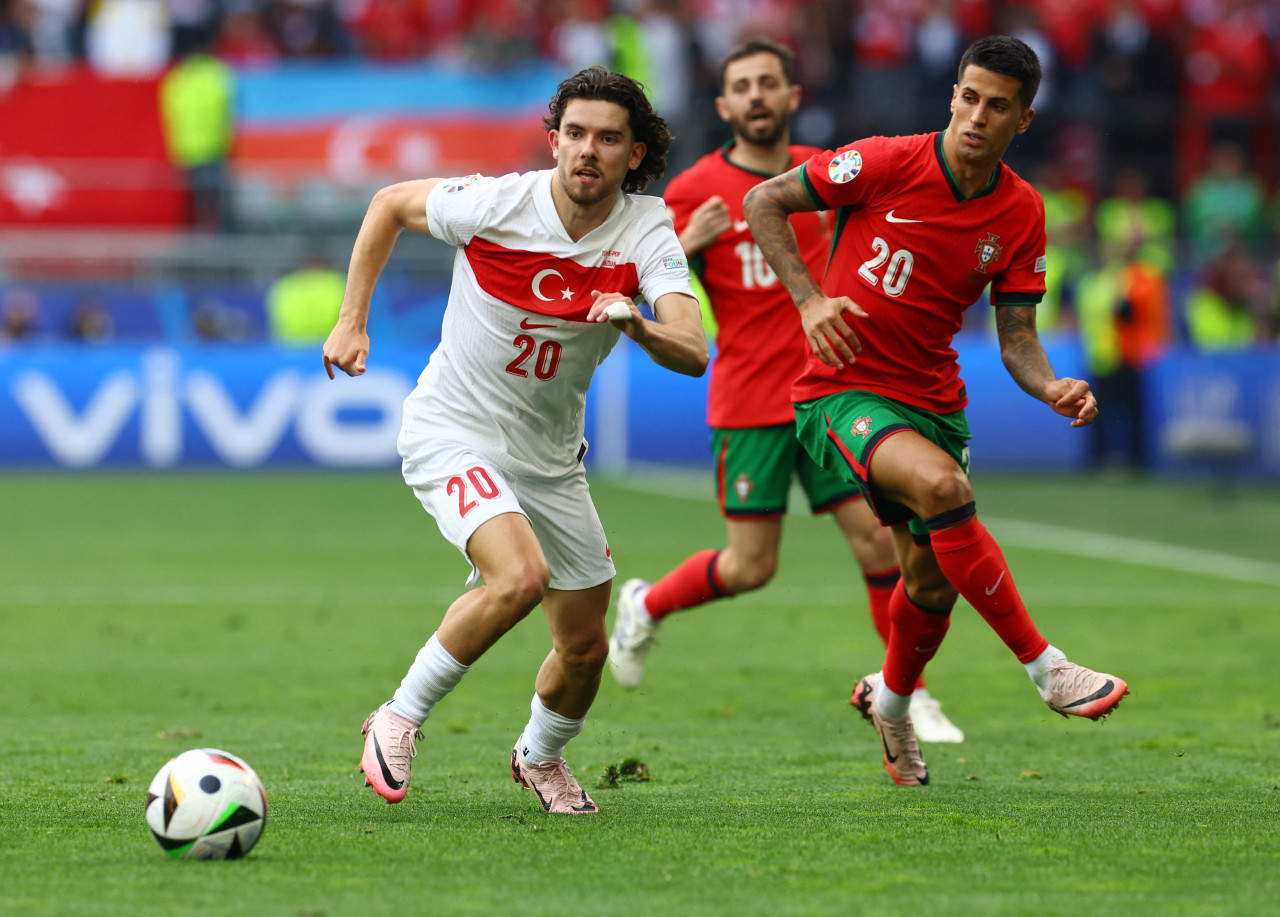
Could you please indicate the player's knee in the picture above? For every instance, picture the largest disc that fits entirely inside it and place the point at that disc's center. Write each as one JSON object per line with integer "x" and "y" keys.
{"x": 874, "y": 549}
{"x": 747, "y": 573}
{"x": 942, "y": 489}
{"x": 584, "y": 658}
{"x": 519, "y": 590}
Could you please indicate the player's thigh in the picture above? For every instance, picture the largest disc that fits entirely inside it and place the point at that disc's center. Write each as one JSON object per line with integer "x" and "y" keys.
{"x": 841, "y": 432}
{"x": 897, "y": 454}
{"x": 461, "y": 490}
{"x": 914, "y": 471}
{"x": 506, "y": 552}
{"x": 753, "y": 470}
{"x": 568, "y": 528}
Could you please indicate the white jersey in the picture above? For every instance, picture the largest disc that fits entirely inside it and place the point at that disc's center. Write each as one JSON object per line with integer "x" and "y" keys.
{"x": 516, "y": 353}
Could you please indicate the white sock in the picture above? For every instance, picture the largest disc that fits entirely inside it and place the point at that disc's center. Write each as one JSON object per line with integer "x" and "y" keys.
{"x": 1038, "y": 668}
{"x": 434, "y": 674}
{"x": 547, "y": 734}
{"x": 892, "y": 706}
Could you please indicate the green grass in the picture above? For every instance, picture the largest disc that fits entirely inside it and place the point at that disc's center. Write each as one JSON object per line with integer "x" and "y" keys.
{"x": 267, "y": 615}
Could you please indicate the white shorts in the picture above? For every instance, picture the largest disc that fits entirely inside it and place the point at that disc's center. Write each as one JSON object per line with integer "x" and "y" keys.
{"x": 463, "y": 490}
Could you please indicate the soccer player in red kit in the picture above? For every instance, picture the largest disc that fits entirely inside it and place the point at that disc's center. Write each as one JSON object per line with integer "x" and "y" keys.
{"x": 922, "y": 225}
{"x": 760, "y": 351}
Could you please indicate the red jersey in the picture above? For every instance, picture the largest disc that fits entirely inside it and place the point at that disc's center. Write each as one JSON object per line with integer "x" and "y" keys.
{"x": 914, "y": 254}
{"x": 760, "y": 347}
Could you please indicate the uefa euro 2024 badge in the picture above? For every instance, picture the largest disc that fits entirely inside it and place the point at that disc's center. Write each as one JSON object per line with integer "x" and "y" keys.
{"x": 844, "y": 167}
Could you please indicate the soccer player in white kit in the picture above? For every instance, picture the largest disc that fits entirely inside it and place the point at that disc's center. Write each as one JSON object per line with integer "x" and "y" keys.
{"x": 548, "y": 267}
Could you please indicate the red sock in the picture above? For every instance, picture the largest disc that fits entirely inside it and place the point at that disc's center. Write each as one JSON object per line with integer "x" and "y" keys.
{"x": 972, "y": 561}
{"x": 692, "y": 583}
{"x": 916, "y": 635}
{"x": 881, "y": 586}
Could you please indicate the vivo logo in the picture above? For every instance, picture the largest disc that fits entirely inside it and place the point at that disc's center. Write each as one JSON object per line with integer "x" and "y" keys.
{"x": 160, "y": 393}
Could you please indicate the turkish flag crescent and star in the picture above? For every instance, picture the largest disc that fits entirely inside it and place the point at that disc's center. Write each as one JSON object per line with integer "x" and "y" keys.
{"x": 544, "y": 284}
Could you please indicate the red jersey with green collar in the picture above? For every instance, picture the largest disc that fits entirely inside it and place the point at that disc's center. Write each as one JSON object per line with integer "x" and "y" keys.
{"x": 914, "y": 254}
{"x": 760, "y": 346}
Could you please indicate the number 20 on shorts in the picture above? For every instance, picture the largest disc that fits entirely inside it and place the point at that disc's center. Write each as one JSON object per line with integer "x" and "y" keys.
{"x": 481, "y": 484}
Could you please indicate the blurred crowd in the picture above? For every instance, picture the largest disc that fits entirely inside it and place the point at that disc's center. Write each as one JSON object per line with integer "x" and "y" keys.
{"x": 1156, "y": 142}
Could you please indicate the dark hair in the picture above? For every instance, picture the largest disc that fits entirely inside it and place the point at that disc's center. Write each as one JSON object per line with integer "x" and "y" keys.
{"x": 647, "y": 126}
{"x": 1008, "y": 57}
{"x": 753, "y": 46}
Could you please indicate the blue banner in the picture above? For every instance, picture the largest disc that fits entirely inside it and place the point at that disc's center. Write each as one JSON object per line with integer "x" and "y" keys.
{"x": 166, "y": 407}
{"x": 298, "y": 91}
{"x": 1217, "y": 412}
{"x": 248, "y": 407}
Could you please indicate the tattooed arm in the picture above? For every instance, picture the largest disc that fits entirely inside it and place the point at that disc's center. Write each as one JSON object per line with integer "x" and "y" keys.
{"x": 768, "y": 207}
{"x": 1028, "y": 364}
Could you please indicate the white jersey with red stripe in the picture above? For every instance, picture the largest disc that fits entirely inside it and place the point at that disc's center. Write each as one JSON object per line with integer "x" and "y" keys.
{"x": 516, "y": 353}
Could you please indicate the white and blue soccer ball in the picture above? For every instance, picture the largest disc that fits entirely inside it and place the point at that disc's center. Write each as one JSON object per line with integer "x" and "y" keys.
{"x": 206, "y": 804}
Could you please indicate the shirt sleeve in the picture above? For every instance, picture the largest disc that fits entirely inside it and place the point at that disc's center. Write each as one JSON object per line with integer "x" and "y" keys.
{"x": 849, "y": 176}
{"x": 1022, "y": 284}
{"x": 458, "y": 207}
{"x": 662, "y": 265}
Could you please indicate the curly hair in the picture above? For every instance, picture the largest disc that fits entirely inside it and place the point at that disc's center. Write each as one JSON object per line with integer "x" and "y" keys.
{"x": 647, "y": 126}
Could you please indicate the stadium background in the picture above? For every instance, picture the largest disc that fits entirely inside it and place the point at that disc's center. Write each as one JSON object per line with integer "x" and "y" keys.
{"x": 181, "y": 182}
{"x": 262, "y": 592}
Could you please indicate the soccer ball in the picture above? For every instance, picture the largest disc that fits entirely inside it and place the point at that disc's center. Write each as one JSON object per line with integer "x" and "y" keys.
{"x": 206, "y": 804}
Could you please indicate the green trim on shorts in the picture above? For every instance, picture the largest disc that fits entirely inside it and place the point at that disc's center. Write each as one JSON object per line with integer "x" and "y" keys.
{"x": 755, "y": 466}
{"x": 842, "y": 431}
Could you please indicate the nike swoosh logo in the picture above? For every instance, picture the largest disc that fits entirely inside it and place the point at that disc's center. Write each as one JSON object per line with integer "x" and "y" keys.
{"x": 528, "y": 326}
{"x": 386, "y": 771}
{"x": 741, "y": 226}
{"x": 1096, "y": 695}
{"x": 888, "y": 757}
{"x": 893, "y": 219}
{"x": 997, "y": 585}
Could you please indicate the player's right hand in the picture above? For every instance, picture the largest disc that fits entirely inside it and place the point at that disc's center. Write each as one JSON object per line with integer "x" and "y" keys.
{"x": 346, "y": 348}
{"x": 708, "y": 222}
{"x": 829, "y": 333}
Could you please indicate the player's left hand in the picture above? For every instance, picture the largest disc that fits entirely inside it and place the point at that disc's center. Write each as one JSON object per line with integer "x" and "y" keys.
{"x": 1072, "y": 398}
{"x": 616, "y": 308}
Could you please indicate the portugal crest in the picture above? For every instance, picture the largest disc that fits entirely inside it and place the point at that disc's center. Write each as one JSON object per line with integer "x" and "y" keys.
{"x": 742, "y": 486}
{"x": 862, "y": 427}
{"x": 988, "y": 251}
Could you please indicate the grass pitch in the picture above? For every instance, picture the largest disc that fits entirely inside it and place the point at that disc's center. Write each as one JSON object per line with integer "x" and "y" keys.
{"x": 267, "y": 615}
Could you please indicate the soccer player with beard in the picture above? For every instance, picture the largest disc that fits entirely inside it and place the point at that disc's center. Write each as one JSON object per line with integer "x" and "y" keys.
{"x": 760, "y": 350}
{"x": 547, "y": 268}
{"x": 923, "y": 225}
